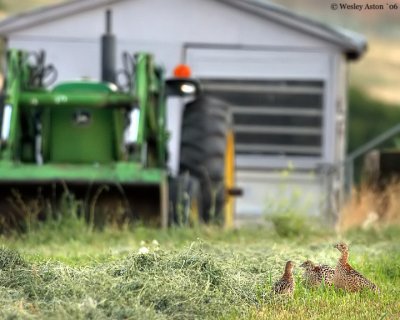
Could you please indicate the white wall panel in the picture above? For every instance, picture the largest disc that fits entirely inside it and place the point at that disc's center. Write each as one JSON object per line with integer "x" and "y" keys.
{"x": 266, "y": 191}
{"x": 176, "y": 21}
{"x": 291, "y": 63}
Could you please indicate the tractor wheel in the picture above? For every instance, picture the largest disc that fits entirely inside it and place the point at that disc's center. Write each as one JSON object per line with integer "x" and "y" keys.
{"x": 207, "y": 153}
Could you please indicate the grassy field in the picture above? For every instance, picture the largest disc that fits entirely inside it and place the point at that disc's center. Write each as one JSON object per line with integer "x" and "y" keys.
{"x": 63, "y": 271}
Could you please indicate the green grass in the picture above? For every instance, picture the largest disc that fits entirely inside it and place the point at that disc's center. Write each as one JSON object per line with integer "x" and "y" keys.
{"x": 61, "y": 272}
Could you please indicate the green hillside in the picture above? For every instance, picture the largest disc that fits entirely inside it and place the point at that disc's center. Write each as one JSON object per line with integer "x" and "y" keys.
{"x": 12, "y": 6}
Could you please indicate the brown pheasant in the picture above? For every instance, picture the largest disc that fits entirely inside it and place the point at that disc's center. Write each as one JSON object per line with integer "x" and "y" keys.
{"x": 315, "y": 275}
{"x": 346, "y": 277}
{"x": 285, "y": 285}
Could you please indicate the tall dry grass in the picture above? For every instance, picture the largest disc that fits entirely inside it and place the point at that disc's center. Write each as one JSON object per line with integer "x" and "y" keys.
{"x": 371, "y": 207}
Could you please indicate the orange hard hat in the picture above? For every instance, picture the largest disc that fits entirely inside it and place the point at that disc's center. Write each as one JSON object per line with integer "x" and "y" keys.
{"x": 182, "y": 71}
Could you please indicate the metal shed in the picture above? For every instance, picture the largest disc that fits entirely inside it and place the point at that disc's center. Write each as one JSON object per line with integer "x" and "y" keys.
{"x": 285, "y": 75}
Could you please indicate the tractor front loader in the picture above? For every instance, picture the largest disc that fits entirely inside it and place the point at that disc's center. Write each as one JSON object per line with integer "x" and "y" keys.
{"x": 89, "y": 139}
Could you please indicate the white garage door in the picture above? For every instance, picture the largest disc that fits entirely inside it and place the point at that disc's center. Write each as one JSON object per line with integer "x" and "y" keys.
{"x": 278, "y": 100}
{"x": 279, "y": 107}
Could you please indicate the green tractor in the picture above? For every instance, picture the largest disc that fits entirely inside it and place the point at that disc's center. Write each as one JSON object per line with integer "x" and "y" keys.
{"x": 104, "y": 147}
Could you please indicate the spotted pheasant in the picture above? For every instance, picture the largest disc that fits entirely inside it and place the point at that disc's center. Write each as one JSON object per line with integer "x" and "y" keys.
{"x": 346, "y": 277}
{"x": 285, "y": 285}
{"x": 315, "y": 275}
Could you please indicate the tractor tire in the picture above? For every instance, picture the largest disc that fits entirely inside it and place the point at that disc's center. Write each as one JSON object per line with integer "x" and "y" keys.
{"x": 205, "y": 136}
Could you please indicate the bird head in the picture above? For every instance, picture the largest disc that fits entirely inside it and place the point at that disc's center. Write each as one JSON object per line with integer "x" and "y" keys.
{"x": 289, "y": 266}
{"x": 342, "y": 247}
{"x": 308, "y": 264}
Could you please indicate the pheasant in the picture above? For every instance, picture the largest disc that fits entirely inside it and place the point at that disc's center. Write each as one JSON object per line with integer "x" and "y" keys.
{"x": 346, "y": 277}
{"x": 285, "y": 285}
{"x": 314, "y": 275}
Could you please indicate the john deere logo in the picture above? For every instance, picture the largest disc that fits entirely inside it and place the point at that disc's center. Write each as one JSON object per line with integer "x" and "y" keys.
{"x": 81, "y": 117}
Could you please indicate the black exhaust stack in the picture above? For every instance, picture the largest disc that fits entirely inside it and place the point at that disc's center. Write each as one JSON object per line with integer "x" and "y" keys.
{"x": 108, "y": 52}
